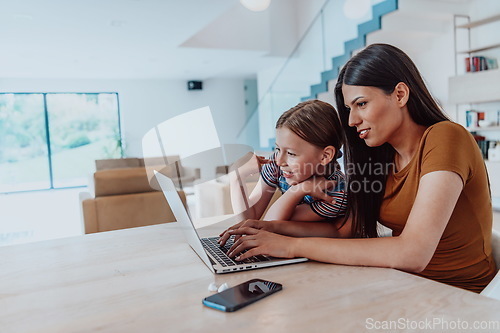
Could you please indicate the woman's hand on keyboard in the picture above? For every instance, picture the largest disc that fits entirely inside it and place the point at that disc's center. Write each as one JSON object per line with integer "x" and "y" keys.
{"x": 256, "y": 224}
{"x": 258, "y": 241}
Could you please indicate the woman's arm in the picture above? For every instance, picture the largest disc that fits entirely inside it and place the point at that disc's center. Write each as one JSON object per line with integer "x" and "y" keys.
{"x": 331, "y": 229}
{"x": 411, "y": 251}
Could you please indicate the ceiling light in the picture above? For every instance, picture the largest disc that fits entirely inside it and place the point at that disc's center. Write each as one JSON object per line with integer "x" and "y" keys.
{"x": 256, "y": 5}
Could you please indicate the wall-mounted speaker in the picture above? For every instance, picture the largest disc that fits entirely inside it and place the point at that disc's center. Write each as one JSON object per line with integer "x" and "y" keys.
{"x": 195, "y": 85}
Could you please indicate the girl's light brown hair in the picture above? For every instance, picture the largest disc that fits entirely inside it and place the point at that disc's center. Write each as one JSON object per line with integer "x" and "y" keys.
{"x": 316, "y": 122}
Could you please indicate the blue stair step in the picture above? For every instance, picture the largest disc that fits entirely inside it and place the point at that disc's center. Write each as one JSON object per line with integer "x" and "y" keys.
{"x": 338, "y": 62}
{"x": 350, "y": 46}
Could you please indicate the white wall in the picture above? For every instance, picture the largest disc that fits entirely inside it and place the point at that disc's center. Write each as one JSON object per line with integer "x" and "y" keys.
{"x": 482, "y": 35}
{"x": 145, "y": 103}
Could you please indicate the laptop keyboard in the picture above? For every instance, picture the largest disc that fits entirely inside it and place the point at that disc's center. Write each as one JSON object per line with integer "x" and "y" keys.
{"x": 220, "y": 252}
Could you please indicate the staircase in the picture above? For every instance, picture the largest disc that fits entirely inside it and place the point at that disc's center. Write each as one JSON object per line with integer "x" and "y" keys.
{"x": 422, "y": 28}
{"x": 378, "y": 11}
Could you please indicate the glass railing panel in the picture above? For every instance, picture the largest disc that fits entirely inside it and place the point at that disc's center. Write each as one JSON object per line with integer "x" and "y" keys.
{"x": 336, "y": 24}
{"x": 292, "y": 82}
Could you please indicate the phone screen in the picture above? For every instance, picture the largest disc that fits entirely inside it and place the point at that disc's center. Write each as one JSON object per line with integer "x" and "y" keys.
{"x": 241, "y": 295}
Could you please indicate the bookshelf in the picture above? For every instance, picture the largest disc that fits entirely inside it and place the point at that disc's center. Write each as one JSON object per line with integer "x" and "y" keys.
{"x": 478, "y": 90}
{"x": 469, "y": 50}
{"x": 484, "y": 129}
{"x": 475, "y": 87}
{"x": 480, "y": 49}
{"x": 475, "y": 24}
{"x": 478, "y": 23}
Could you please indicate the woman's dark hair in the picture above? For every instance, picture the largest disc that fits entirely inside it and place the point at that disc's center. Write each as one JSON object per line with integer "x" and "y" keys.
{"x": 382, "y": 66}
{"x": 316, "y": 122}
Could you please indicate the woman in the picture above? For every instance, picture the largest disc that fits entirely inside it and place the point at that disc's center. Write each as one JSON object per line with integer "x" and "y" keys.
{"x": 409, "y": 168}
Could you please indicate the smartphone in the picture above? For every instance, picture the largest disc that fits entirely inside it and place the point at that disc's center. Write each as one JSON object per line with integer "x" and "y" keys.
{"x": 235, "y": 298}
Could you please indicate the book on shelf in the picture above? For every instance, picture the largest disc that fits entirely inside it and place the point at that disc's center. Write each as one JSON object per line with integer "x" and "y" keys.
{"x": 490, "y": 149}
{"x": 472, "y": 118}
{"x": 476, "y": 120}
{"x": 483, "y": 144}
{"x": 480, "y": 63}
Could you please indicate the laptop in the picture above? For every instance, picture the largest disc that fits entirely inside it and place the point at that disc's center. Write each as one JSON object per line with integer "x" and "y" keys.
{"x": 209, "y": 251}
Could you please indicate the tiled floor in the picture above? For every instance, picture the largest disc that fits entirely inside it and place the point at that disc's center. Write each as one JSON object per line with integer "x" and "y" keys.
{"x": 40, "y": 215}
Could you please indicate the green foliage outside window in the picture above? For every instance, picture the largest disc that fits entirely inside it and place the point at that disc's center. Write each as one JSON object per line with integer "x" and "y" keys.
{"x": 81, "y": 129}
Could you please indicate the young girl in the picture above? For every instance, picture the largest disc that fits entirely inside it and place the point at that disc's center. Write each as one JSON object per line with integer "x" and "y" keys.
{"x": 308, "y": 141}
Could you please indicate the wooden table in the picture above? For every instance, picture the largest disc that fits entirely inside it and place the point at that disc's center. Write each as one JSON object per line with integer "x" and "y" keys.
{"x": 149, "y": 280}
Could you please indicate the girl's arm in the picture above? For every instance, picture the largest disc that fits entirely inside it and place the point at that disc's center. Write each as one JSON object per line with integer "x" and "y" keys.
{"x": 287, "y": 206}
{"x": 411, "y": 251}
{"x": 251, "y": 206}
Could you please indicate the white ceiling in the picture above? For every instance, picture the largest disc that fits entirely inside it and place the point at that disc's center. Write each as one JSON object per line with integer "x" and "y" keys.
{"x": 144, "y": 39}
{"x": 131, "y": 39}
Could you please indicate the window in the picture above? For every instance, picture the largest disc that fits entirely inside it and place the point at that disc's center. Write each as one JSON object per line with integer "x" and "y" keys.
{"x": 50, "y": 140}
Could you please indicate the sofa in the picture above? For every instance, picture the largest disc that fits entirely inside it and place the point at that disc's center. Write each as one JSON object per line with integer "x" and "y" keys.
{"x": 120, "y": 196}
{"x": 213, "y": 198}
